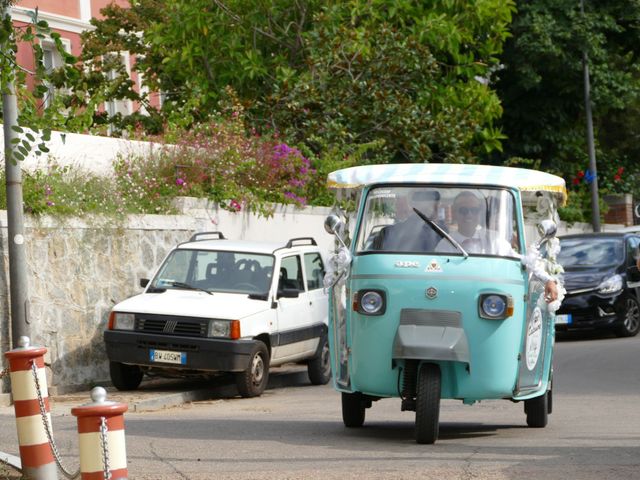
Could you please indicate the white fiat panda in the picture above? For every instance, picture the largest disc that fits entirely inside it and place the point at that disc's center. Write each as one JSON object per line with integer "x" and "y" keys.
{"x": 217, "y": 305}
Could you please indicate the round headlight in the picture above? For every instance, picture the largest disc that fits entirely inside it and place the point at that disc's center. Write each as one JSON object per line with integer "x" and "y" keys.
{"x": 371, "y": 302}
{"x": 494, "y": 306}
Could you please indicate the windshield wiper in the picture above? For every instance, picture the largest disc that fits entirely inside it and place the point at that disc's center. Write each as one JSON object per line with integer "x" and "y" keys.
{"x": 440, "y": 231}
{"x": 186, "y": 286}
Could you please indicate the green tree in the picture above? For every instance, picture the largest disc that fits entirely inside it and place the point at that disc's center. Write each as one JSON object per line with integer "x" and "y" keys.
{"x": 542, "y": 89}
{"x": 410, "y": 75}
{"x": 405, "y": 78}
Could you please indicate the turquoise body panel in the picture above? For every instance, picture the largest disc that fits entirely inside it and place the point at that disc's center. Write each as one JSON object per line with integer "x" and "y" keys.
{"x": 494, "y": 345}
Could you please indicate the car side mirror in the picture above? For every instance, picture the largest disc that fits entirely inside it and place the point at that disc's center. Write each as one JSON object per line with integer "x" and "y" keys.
{"x": 547, "y": 230}
{"x": 288, "y": 293}
{"x": 334, "y": 226}
{"x": 144, "y": 282}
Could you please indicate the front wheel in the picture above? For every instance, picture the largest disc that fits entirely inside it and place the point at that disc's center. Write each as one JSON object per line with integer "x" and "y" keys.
{"x": 125, "y": 377}
{"x": 537, "y": 410}
{"x": 253, "y": 381}
{"x": 353, "y": 407}
{"x": 319, "y": 367}
{"x": 428, "y": 403}
{"x": 630, "y": 313}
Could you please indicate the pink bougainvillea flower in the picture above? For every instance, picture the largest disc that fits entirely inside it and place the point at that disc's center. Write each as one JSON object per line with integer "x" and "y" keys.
{"x": 180, "y": 182}
{"x": 235, "y": 205}
{"x": 617, "y": 178}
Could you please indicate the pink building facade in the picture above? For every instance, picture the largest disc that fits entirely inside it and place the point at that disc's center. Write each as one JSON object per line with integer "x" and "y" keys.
{"x": 70, "y": 18}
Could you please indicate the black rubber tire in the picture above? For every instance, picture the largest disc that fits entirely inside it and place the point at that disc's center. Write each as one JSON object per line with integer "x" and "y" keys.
{"x": 319, "y": 367}
{"x": 253, "y": 381}
{"x": 537, "y": 410}
{"x": 629, "y": 311}
{"x": 125, "y": 377}
{"x": 353, "y": 407}
{"x": 428, "y": 404}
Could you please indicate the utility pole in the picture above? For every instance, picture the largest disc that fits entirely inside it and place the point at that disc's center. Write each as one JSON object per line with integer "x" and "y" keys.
{"x": 15, "y": 216}
{"x": 595, "y": 201}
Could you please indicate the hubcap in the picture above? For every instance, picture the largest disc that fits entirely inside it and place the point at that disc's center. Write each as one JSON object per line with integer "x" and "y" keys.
{"x": 632, "y": 317}
{"x": 257, "y": 369}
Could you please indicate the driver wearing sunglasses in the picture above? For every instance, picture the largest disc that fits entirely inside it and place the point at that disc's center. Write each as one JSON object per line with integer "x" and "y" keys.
{"x": 475, "y": 238}
{"x": 466, "y": 213}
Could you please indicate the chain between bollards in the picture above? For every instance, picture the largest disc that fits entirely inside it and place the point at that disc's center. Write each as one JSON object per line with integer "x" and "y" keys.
{"x": 45, "y": 422}
{"x": 104, "y": 430}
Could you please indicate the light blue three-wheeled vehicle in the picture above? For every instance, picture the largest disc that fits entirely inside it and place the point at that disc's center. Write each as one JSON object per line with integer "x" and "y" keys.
{"x": 433, "y": 291}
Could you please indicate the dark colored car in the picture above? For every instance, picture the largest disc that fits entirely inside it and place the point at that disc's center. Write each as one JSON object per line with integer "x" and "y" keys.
{"x": 602, "y": 282}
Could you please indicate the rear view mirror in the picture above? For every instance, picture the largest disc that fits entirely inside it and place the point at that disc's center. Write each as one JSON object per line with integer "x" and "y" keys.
{"x": 144, "y": 282}
{"x": 547, "y": 230}
{"x": 335, "y": 226}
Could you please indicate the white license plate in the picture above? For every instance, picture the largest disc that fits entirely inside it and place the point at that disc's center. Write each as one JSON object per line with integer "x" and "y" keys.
{"x": 563, "y": 319}
{"x": 165, "y": 356}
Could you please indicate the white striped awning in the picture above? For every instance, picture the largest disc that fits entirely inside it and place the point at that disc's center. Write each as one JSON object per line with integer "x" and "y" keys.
{"x": 443, "y": 173}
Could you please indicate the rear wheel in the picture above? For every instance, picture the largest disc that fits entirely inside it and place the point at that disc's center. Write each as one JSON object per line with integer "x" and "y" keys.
{"x": 319, "y": 368}
{"x": 537, "y": 410}
{"x": 353, "y": 407}
{"x": 253, "y": 381}
{"x": 428, "y": 403}
{"x": 125, "y": 377}
{"x": 630, "y": 314}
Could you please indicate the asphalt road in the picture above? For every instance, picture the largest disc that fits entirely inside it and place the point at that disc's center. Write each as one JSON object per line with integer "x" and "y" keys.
{"x": 295, "y": 431}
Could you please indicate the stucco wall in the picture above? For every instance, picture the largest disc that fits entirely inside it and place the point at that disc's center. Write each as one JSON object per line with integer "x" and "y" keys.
{"x": 78, "y": 269}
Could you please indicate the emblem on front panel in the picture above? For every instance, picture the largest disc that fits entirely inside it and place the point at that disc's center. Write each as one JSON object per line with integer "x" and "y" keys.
{"x": 433, "y": 266}
{"x": 406, "y": 264}
{"x": 431, "y": 292}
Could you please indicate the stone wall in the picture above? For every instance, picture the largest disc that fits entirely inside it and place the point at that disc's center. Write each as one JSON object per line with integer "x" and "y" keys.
{"x": 78, "y": 269}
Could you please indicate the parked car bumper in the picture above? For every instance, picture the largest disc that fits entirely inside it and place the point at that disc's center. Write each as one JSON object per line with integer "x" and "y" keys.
{"x": 202, "y": 354}
{"x": 589, "y": 310}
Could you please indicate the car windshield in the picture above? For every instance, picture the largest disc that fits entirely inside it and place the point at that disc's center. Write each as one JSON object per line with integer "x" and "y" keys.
{"x": 216, "y": 271}
{"x": 419, "y": 218}
{"x": 590, "y": 252}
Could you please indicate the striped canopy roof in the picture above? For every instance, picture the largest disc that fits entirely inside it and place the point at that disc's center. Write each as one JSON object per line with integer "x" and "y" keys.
{"x": 520, "y": 178}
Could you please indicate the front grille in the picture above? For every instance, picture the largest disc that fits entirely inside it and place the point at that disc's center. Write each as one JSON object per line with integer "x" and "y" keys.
{"x": 169, "y": 325}
{"x": 431, "y": 318}
{"x": 175, "y": 346}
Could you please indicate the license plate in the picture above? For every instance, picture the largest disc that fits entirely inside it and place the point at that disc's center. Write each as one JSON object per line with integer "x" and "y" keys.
{"x": 563, "y": 319}
{"x": 165, "y": 356}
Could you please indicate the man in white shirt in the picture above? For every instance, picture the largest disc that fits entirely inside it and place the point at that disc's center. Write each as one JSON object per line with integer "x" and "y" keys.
{"x": 467, "y": 209}
{"x": 474, "y": 238}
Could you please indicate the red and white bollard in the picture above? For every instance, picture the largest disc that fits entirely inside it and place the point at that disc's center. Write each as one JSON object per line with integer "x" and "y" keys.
{"x": 103, "y": 455}
{"x": 35, "y": 452}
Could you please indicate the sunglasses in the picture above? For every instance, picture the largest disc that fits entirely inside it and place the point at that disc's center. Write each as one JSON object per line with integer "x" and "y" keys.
{"x": 468, "y": 210}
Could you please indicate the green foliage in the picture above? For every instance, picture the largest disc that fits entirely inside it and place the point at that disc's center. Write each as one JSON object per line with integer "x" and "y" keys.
{"x": 218, "y": 161}
{"x": 215, "y": 160}
{"x": 405, "y": 75}
{"x": 63, "y": 191}
{"x": 330, "y": 75}
{"x": 542, "y": 88}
